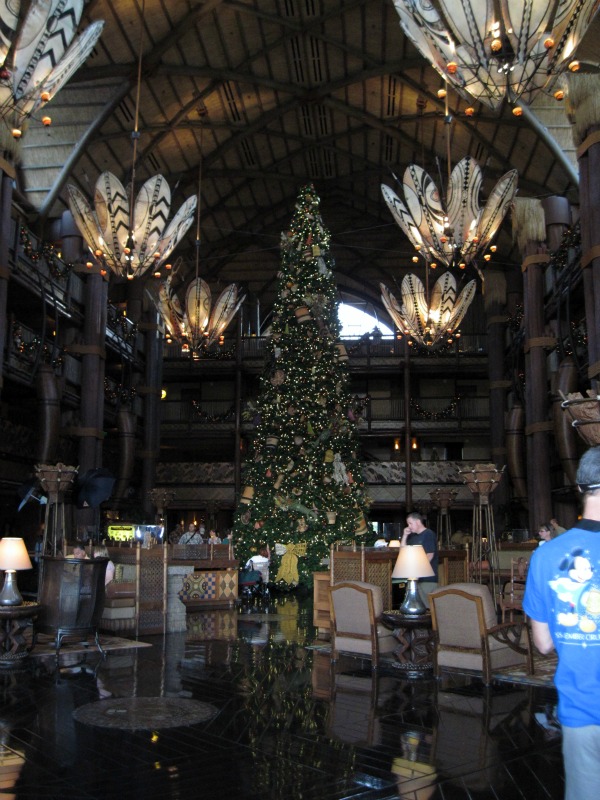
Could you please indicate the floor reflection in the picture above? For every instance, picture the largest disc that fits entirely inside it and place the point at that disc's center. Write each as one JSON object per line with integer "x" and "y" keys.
{"x": 290, "y": 725}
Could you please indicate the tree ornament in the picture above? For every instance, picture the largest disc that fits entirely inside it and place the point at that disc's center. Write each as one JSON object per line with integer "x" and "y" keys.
{"x": 339, "y": 470}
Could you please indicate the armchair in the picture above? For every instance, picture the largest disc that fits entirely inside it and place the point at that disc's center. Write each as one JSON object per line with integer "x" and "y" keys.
{"x": 356, "y": 609}
{"x": 467, "y": 635}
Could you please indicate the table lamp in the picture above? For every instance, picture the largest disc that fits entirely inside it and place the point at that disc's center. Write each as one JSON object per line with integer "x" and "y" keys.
{"x": 13, "y": 556}
{"x": 412, "y": 563}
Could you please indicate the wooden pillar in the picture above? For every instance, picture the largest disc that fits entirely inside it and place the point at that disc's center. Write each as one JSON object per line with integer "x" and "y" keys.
{"x": 557, "y": 212}
{"x": 583, "y": 94}
{"x": 152, "y": 393}
{"x": 7, "y": 176}
{"x": 91, "y": 350}
{"x": 528, "y": 219}
{"x": 497, "y": 319}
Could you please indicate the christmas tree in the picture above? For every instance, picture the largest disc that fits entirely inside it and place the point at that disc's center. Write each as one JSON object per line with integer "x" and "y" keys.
{"x": 303, "y": 486}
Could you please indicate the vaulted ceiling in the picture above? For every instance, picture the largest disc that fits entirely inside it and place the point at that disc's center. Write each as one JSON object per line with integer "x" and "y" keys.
{"x": 265, "y": 96}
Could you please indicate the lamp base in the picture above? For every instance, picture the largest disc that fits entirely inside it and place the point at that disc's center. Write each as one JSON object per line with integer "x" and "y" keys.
{"x": 412, "y": 604}
{"x": 10, "y": 595}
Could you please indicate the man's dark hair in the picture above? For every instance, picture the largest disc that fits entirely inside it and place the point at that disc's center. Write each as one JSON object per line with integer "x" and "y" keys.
{"x": 588, "y": 472}
{"x": 415, "y": 515}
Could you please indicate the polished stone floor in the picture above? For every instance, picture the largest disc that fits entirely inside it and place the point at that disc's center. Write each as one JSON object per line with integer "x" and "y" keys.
{"x": 275, "y": 721}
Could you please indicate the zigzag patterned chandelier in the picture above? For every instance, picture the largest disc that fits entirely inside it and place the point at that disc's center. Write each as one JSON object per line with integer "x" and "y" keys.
{"x": 456, "y": 232}
{"x": 38, "y": 55}
{"x": 492, "y": 50}
{"x": 130, "y": 243}
{"x": 430, "y": 320}
{"x": 453, "y": 233}
{"x": 128, "y": 234}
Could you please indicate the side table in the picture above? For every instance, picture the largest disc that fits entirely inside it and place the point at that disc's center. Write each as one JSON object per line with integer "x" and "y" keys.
{"x": 415, "y": 638}
{"x": 14, "y": 621}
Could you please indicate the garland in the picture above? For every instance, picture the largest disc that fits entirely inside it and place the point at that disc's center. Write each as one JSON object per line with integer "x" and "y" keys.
{"x": 119, "y": 394}
{"x": 446, "y": 413}
{"x": 57, "y": 267}
{"x": 204, "y": 416}
{"x": 121, "y": 325}
{"x": 217, "y": 355}
{"x": 27, "y": 351}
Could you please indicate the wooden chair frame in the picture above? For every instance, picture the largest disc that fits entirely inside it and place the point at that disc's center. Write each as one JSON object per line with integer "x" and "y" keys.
{"x": 507, "y": 633}
{"x": 370, "y": 637}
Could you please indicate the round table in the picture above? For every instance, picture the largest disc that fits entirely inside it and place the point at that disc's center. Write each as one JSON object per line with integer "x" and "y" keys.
{"x": 14, "y": 621}
{"x": 415, "y": 638}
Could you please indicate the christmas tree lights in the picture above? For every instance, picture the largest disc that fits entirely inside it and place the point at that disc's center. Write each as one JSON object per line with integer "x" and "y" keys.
{"x": 303, "y": 485}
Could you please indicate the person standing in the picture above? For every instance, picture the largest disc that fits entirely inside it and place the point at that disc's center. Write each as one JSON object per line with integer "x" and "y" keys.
{"x": 562, "y": 601}
{"x": 416, "y": 533}
{"x": 191, "y": 536}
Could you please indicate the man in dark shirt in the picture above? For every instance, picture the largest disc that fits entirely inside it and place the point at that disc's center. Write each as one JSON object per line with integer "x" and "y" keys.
{"x": 416, "y": 533}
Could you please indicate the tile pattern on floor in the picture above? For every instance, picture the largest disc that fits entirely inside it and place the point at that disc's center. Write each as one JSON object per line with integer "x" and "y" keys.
{"x": 289, "y": 724}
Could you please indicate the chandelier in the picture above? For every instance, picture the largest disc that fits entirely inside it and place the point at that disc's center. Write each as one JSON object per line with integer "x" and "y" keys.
{"x": 456, "y": 232}
{"x": 429, "y": 320}
{"x": 491, "y": 50}
{"x": 130, "y": 238}
{"x": 194, "y": 325}
{"x": 124, "y": 232}
{"x": 38, "y": 57}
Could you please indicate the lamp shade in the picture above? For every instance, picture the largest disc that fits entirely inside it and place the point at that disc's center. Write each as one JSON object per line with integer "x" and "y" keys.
{"x": 13, "y": 554}
{"x": 412, "y": 563}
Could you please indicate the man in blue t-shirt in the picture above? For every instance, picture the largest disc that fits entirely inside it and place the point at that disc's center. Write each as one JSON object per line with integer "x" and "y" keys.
{"x": 562, "y": 599}
{"x": 416, "y": 533}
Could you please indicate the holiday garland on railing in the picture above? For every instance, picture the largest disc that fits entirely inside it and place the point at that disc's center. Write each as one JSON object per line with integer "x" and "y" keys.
{"x": 118, "y": 394}
{"x": 28, "y": 351}
{"x": 446, "y": 413}
{"x": 121, "y": 325}
{"x": 218, "y": 354}
{"x": 57, "y": 267}
{"x": 204, "y": 416}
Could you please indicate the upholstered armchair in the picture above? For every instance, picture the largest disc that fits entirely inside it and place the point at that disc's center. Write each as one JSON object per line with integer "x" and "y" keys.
{"x": 467, "y": 636}
{"x": 356, "y": 609}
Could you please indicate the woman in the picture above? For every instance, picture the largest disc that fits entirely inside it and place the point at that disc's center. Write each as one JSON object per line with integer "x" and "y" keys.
{"x": 546, "y": 532}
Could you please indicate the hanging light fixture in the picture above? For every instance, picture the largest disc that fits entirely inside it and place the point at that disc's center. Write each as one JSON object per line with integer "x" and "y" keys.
{"x": 429, "y": 320}
{"x": 492, "y": 51}
{"x": 452, "y": 234}
{"x": 193, "y": 324}
{"x": 456, "y": 231}
{"x": 44, "y": 54}
{"x": 124, "y": 232}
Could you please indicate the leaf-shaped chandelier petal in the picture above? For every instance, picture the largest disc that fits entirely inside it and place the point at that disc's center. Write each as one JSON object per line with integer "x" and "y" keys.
{"x": 491, "y": 50}
{"x": 130, "y": 247}
{"x": 429, "y": 320}
{"x": 453, "y": 235}
{"x": 39, "y": 55}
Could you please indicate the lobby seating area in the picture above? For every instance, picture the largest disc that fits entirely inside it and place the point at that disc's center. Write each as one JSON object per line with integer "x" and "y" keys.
{"x": 276, "y": 718}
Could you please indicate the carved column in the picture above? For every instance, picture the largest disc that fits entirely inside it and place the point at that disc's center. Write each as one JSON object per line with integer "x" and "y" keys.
{"x": 528, "y": 220}
{"x": 496, "y": 319}
{"x": 151, "y": 395}
{"x": 583, "y": 99}
{"x": 91, "y": 350}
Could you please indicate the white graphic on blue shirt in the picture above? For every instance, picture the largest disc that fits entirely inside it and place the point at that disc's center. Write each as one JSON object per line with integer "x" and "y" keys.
{"x": 578, "y": 614}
